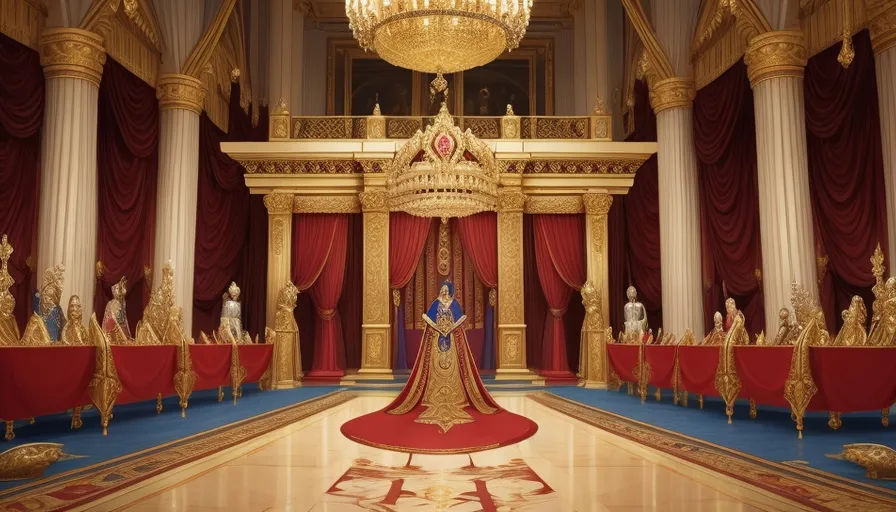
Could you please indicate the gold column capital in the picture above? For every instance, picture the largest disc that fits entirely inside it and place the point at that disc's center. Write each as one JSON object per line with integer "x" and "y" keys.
{"x": 675, "y": 92}
{"x": 882, "y": 27}
{"x": 511, "y": 200}
{"x": 597, "y": 204}
{"x": 374, "y": 200}
{"x": 181, "y": 92}
{"x": 278, "y": 203}
{"x": 776, "y": 54}
{"x": 72, "y": 53}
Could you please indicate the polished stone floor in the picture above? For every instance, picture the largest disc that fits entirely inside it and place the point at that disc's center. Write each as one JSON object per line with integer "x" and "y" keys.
{"x": 566, "y": 466}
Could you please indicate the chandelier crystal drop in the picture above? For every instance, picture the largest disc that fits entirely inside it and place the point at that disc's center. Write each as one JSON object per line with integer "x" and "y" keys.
{"x": 434, "y": 36}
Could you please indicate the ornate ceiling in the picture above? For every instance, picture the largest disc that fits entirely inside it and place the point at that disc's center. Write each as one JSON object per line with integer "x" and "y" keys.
{"x": 334, "y": 10}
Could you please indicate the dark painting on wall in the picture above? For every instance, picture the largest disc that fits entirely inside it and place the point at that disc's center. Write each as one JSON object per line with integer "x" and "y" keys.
{"x": 374, "y": 80}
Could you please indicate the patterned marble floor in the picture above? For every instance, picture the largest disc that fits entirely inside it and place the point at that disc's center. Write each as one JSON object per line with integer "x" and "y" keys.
{"x": 566, "y": 466}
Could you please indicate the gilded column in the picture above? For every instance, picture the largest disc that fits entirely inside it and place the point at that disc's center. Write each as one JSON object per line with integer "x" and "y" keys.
{"x": 680, "y": 261}
{"x": 280, "y": 208}
{"x": 883, "y": 41}
{"x": 596, "y": 292}
{"x": 180, "y": 103}
{"x": 775, "y": 65}
{"x": 72, "y": 61}
{"x": 511, "y": 319}
{"x": 376, "y": 351}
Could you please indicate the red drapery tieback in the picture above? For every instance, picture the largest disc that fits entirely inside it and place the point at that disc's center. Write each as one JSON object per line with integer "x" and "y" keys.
{"x": 560, "y": 256}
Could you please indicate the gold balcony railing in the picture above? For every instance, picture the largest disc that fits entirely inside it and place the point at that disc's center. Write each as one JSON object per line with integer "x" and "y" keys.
{"x": 286, "y": 127}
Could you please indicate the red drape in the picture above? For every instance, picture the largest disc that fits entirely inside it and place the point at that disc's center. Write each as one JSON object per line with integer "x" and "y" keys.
{"x": 222, "y": 215}
{"x": 617, "y": 262}
{"x": 534, "y": 303}
{"x": 127, "y": 167}
{"x": 253, "y": 276}
{"x": 846, "y": 181}
{"x": 479, "y": 236}
{"x": 351, "y": 303}
{"x": 560, "y": 255}
{"x": 407, "y": 237}
{"x": 21, "y": 115}
{"x": 725, "y": 140}
{"x": 642, "y": 225}
{"x": 319, "y": 266}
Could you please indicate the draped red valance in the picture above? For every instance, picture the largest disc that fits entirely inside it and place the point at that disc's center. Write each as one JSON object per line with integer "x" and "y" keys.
{"x": 407, "y": 237}
{"x": 127, "y": 174}
{"x": 21, "y": 116}
{"x": 846, "y": 172}
{"x": 479, "y": 236}
{"x": 319, "y": 255}
{"x": 725, "y": 142}
{"x": 560, "y": 257}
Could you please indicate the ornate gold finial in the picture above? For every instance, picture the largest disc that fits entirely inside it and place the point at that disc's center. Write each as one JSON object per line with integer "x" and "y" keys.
{"x": 235, "y": 75}
{"x": 509, "y": 111}
{"x": 376, "y": 109}
{"x": 100, "y": 269}
{"x": 280, "y": 109}
{"x": 439, "y": 84}
{"x": 233, "y": 290}
{"x": 847, "y": 52}
{"x": 599, "y": 109}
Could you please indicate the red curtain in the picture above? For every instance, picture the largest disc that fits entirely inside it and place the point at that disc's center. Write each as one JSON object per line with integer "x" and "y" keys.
{"x": 318, "y": 265}
{"x": 642, "y": 225}
{"x": 534, "y": 304}
{"x": 222, "y": 215}
{"x": 560, "y": 255}
{"x": 617, "y": 262}
{"x": 127, "y": 167}
{"x": 725, "y": 140}
{"x": 351, "y": 303}
{"x": 479, "y": 236}
{"x": 254, "y": 272}
{"x": 21, "y": 114}
{"x": 846, "y": 181}
{"x": 407, "y": 236}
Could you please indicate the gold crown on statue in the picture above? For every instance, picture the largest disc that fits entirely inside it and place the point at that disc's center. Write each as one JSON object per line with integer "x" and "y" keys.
{"x": 233, "y": 290}
{"x": 120, "y": 288}
{"x": 443, "y": 172}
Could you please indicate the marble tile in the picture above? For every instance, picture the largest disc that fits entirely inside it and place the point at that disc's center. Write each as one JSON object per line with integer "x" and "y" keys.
{"x": 567, "y": 465}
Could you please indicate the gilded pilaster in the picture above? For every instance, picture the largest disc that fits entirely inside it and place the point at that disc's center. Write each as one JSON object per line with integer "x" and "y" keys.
{"x": 376, "y": 350}
{"x": 511, "y": 319}
{"x": 280, "y": 209}
{"x": 287, "y": 362}
{"x": 596, "y": 293}
{"x": 72, "y": 61}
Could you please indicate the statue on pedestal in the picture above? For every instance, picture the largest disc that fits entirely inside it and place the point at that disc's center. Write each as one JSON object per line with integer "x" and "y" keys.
{"x": 731, "y": 312}
{"x": 788, "y": 330}
{"x": 74, "y": 332}
{"x": 635, "y": 317}
{"x": 153, "y": 328}
{"x": 230, "y": 329}
{"x": 9, "y": 329}
{"x": 852, "y": 334}
{"x": 46, "y": 324}
{"x": 717, "y": 335}
{"x": 115, "y": 318}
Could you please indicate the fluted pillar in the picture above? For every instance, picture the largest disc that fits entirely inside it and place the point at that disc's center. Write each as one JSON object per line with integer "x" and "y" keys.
{"x": 511, "y": 319}
{"x": 883, "y": 41}
{"x": 680, "y": 261}
{"x": 593, "y": 364}
{"x": 180, "y": 103}
{"x": 776, "y": 62}
{"x": 280, "y": 208}
{"x": 376, "y": 348}
{"x": 72, "y": 61}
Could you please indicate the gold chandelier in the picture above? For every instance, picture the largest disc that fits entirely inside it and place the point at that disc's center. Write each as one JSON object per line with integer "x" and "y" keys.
{"x": 443, "y": 172}
{"x": 434, "y": 36}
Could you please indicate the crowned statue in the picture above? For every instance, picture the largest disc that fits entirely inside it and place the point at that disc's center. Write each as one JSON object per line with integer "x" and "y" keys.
{"x": 46, "y": 324}
{"x": 731, "y": 313}
{"x": 115, "y": 318}
{"x": 230, "y": 329}
{"x": 74, "y": 332}
{"x": 635, "y": 317}
{"x": 444, "y": 407}
{"x": 9, "y": 329}
{"x": 717, "y": 335}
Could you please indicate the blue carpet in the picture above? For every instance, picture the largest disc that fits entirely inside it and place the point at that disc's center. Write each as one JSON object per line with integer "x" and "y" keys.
{"x": 136, "y": 427}
{"x": 772, "y": 435}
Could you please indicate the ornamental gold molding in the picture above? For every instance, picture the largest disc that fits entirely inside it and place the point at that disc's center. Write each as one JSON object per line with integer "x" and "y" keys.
{"x": 776, "y": 54}
{"x": 131, "y": 34}
{"x": 376, "y": 200}
{"x": 882, "y": 27}
{"x": 652, "y": 47}
{"x": 202, "y": 52}
{"x": 553, "y": 204}
{"x": 327, "y": 204}
{"x": 317, "y": 166}
{"x": 72, "y": 53}
{"x": 672, "y": 93}
{"x": 279, "y": 203}
{"x": 511, "y": 200}
{"x": 23, "y": 20}
{"x": 181, "y": 92}
{"x": 716, "y": 16}
{"x": 597, "y": 204}
{"x": 617, "y": 165}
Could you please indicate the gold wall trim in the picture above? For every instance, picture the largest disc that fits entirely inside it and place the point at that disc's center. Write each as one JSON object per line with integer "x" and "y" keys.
{"x": 554, "y": 204}
{"x": 824, "y": 21}
{"x": 724, "y": 29}
{"x": 72, "y": 53}
{"x": 312, "y": 166}
{"x": 327, "y": 204}
{"x": 131, "y": 35}
{"x": 23, "y": 21}
{"x": 606, "y": 165}
{"x": 658, "y": 58}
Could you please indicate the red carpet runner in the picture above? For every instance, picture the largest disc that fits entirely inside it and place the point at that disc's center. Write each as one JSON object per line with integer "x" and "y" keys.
{"x": 400, "y": 433}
